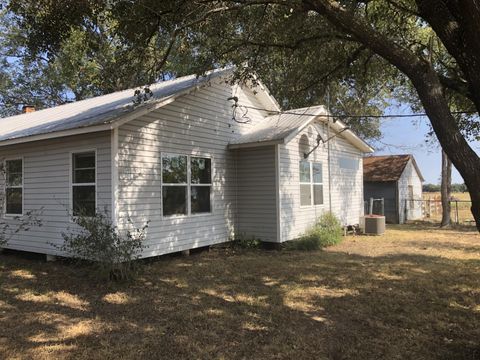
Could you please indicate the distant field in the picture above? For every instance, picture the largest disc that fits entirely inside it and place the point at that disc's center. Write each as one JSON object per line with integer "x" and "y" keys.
{"x": 456, "y": 195}
{"x": 464, "y": 213}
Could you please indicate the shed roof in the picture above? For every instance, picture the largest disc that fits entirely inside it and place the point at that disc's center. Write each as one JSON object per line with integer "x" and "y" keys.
{"x": 387, "y": 167}
{"x": 281, "y": 128}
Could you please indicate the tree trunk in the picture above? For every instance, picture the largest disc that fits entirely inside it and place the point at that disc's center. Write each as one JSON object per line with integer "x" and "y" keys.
{"x": 426, "y": 82}
{"x": 446, "y": 189}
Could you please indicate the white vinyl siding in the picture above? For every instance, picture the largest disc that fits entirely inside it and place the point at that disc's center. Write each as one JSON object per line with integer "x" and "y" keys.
{"x": 47, "y": 185}
{"x": 256, "y": 196}
{"x": 409, "y": 178}
{"x": 347, "y": 184}
{"x": 199, "y": 124}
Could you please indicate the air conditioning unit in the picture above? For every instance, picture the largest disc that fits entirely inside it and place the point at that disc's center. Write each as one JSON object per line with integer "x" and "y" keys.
{"x": 374, "y": 224}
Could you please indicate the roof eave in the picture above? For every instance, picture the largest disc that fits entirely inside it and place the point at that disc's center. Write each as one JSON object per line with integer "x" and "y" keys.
{"x": 57, "y": 134}
{"x": 267, "y": 98}
{"x": 355, "y": 140}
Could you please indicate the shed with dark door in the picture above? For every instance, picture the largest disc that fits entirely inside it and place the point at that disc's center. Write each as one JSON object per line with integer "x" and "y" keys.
{"x": 396, "y": 179}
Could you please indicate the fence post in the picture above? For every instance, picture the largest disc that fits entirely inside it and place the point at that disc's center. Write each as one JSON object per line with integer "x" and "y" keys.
{"x": 456, "y": 211}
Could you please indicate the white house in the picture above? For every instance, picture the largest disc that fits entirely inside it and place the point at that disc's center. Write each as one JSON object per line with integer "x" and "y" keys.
{"x": 396, "y": 179}
{"x": 183, "y": 161}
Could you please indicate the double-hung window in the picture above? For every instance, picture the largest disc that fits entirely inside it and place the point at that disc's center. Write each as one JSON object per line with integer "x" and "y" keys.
{"x": 14, "y": 187}
{"x": 186, "y": 184}
{"x": 311, "y": 183}
{"x": 84, "y": 183}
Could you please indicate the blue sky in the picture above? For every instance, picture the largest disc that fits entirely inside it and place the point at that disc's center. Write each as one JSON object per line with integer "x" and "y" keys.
{"x": 407, "y": 136}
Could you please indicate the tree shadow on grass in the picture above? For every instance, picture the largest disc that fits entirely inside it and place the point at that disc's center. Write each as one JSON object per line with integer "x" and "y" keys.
{"x": 432, "y": 226}
{"x": 246, "y": 305}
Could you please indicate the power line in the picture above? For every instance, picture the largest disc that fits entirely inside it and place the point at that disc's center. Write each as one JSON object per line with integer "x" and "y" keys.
{"x": 353, "y": 116}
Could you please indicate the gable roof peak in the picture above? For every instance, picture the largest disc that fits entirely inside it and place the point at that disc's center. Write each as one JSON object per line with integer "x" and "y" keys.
{"x": 383, "y": 168}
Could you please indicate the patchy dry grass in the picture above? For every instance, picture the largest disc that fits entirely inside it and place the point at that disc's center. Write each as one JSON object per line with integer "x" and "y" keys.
{"x": 413, "y": 293}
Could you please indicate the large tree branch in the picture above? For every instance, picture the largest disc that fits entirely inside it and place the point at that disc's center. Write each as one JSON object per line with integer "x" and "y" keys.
{"x": 289, "y": 45}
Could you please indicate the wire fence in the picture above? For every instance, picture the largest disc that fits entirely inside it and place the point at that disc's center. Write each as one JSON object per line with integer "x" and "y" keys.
{"x": 420, "y": 209}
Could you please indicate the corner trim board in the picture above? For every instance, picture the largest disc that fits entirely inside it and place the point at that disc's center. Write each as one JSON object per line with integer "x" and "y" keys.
{"x": 277, "y": 193}
{"x": 114, "y": 163}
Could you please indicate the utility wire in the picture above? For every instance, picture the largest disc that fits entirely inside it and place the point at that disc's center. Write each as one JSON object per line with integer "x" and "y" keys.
{"x": 355, "y": 116}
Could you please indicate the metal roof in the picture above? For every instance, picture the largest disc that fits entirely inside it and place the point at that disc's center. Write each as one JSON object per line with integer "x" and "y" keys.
{"x": 99, "y": 110}
{"x": 283, "y": 127}
{"x": 280, "y": 126}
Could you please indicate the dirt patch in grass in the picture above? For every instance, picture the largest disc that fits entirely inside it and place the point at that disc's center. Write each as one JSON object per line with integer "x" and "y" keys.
{"x": 413, "y": 293}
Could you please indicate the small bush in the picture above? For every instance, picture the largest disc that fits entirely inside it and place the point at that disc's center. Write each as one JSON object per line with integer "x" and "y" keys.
{"x": 327, "y": 231}
{"x": 112, "y": 253}
{"x": 246, "y": 242}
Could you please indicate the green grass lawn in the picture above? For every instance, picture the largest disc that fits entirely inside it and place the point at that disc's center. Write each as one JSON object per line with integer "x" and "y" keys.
{"x": 413, "y": 293}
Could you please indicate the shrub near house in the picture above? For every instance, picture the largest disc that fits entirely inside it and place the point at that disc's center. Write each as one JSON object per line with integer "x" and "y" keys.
{"x": 96, "y": 239}
{"x": 327, "y": 231}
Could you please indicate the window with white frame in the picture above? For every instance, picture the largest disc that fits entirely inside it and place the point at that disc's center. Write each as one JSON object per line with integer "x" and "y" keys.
{"x": 311, "y": 183}
{"x": 14, "y": 187}
{"x": 186, "y": 184}
{"x": 84, "y": 183}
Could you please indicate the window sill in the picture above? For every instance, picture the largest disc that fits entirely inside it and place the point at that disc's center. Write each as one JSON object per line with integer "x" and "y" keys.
{"x": 311, "y": 206}
{"x": 12, "y": 215}
{"x": 173, "y": 217}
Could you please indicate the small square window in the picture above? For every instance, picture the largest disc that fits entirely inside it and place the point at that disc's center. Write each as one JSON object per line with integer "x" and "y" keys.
{"x": 84, "y": 200}
{"x": 14, "y": 201}
{"x": 317, "y": 173}
{"x": 317, "y": 194}
{"x": 305, "y": 195}
{"x": 200, "y": 199}
{"x": 174, "y": 169}
{"x": 304, "y": 172}
{"x": 201, "y": 169}
{"x": 174, "y": 200}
